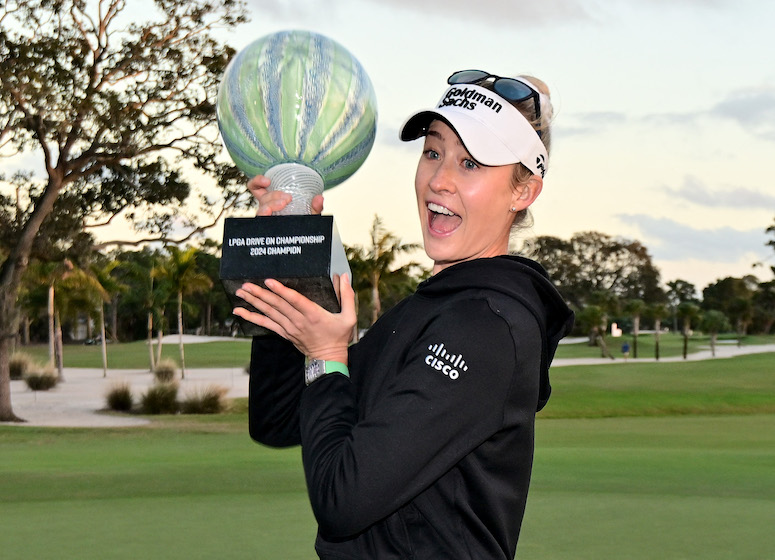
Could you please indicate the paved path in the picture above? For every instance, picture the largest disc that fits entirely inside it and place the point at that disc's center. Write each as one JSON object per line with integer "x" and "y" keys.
{"x": 722, "y": 351}
{"x": 80, "y": 400}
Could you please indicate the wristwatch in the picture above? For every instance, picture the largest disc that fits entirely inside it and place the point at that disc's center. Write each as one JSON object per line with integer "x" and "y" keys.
{"x": 318, "y": 368}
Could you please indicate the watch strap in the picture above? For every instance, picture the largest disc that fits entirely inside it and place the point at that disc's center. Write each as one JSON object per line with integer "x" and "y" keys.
{"x": 318, "y": 368}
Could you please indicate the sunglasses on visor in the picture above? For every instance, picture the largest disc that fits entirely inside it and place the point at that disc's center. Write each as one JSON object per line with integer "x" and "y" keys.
{"x": 508, "y": 88}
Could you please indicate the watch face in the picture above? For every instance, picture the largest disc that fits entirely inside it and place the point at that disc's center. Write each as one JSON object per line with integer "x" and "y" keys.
{"x": 315, "y": 369}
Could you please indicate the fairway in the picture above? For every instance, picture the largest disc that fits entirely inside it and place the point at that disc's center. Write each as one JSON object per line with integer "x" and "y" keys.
{"x": 636, "y": 488}
{"x": 633, "y": 461}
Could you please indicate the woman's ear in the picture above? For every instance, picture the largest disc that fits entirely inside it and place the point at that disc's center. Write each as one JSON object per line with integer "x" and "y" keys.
{"x": 526, "y": 193}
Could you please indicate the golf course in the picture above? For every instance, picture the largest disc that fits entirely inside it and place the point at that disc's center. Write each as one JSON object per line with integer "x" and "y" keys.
{"x": 634, "y": 460}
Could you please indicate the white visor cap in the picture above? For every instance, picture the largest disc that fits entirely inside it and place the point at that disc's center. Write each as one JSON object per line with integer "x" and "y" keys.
{"x": 493, "y": 131}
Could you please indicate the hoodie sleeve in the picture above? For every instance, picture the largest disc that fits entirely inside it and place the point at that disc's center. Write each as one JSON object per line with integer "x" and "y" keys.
{"x": 449, "y": 396}
{"x": 276, "y": 384}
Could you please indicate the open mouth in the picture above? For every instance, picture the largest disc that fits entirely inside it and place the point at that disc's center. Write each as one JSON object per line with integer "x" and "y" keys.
{"x": 442, "y": 220}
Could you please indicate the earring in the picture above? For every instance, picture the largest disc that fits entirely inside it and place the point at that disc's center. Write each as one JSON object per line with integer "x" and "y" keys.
{"x": 513, "y": 210}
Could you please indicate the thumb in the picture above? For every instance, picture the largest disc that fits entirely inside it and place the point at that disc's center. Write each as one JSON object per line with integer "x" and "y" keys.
{"x": 347, "y": 295}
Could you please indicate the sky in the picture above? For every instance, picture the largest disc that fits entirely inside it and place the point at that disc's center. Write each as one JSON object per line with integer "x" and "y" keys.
{"x": 664, "y": 127}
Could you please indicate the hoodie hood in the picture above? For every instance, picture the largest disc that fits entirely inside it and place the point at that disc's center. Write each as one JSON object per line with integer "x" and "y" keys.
{"x": 523, "y": 280}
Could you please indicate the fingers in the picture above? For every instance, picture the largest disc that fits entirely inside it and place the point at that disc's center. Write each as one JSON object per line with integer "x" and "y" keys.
{"x": 346, "y": 296}
{"x": 317, "y": 204}
{"x": 274, "y": 201}
{"x": 275, "y": 306}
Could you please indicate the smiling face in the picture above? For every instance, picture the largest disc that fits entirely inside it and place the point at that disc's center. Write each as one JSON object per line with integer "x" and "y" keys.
{"x": 465, "y": 207}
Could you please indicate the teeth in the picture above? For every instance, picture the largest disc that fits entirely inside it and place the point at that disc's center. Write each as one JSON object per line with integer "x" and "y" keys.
{"x": 437, "y": 209}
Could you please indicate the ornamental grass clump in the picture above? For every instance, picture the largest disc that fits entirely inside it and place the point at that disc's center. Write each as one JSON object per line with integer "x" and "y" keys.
{"x": 41, "y": 379}
{"x": 161, "y": 398}
{"x": 19, "y": 365}
{"x": 208, "y": 400}
{"x": 165, "y": 370}
{"x": 120, "y": 398}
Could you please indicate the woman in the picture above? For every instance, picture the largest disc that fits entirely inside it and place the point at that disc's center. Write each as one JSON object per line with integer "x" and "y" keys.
{"x": 417, "y": 441}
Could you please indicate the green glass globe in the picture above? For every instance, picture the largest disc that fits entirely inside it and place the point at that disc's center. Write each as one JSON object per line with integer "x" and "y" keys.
{"x": 297, "y": 106}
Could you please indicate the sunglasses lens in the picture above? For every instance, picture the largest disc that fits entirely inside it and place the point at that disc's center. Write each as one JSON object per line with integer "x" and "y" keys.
{"x": 467, "y": 77}
{"x": 513, "y": 90}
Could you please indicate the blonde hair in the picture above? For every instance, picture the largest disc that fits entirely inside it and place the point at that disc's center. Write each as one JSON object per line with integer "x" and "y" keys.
{"x": 522, "y": 174}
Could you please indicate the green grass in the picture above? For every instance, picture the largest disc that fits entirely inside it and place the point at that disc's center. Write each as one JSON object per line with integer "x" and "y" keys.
{"x": 134, "y": 355}
{"x": 669, "y": 345}
{"x": 638, "y": 461}
{"x": 741, "y": 385}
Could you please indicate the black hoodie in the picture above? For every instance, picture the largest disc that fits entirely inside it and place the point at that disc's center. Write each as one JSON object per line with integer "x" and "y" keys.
{"x": 426, "y": 451}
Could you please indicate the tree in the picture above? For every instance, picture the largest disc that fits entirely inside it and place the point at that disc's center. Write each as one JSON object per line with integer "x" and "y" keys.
{"x": 141, "y": 307}
{"x": 678, "y": 292}
{"x": 734, "y": 298}
{"x": 106, "y": 103}
{"x": 687, "y": 312}
{"x": 635, "y": 308}
{"x": 106, "y": 287}
{"x": 713, "y": 322}
{"x": 374, "y": 277}
{"x": 764, "y": 306}
{"x": 657, "y": 312}
{"x": 185, "y": 278}
{"x": 595, "y": 262}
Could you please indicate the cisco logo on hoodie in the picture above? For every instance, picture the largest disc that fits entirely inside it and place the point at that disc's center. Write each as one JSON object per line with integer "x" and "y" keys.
{"x": 441, "y": 360}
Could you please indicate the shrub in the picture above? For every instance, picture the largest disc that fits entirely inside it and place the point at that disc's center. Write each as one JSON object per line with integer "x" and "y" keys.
{"x": 119, "y": 397}
{"x": 210, "y": 400}
{"x": 20, "y": 364}
{"x": 165, "y": 370}
{"x": 41, "y": 379}
{"x": 161, "y": 398}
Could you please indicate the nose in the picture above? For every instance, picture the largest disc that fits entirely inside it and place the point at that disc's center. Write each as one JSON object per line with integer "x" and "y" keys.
{"x": 443, "y": 178}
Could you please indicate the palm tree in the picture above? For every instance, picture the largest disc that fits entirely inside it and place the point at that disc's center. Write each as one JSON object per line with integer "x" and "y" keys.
{"x": 635, "y": 308}
{"x": 373, "y": 275}
{"x": 658, "y": 311}
{"x": 687, "y": 312}
{"x": 181, "y": 271}
{"x": 714, "y": 322}
{"x": 148, "y": 292}
{"x": 106, "y": 287}
{"x": 47, "y": 277}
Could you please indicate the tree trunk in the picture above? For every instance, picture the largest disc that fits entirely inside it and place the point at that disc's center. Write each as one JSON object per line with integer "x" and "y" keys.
{"x": 104, "y": 341}
{"x": 11, "y": 271}
{"x": 159, "y": 345}
{"x": 713, "y": 344}
{"x": 150, "y": 341}
{"x": 51, "y": 329}
{"x": 8, "y": 323}
{"x": 114, "y": 319}
{"x": 180, "y": 336}
{"x": 657, "y": 329}
{"x": 635, "y": 333}
{"x": 59, "y": 351}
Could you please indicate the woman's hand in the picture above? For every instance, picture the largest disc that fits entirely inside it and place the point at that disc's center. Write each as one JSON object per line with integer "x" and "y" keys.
{"x": 316, "y": 332}
{"x": 274, "y": 201}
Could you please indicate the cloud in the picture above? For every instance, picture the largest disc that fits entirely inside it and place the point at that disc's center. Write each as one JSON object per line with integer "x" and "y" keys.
{"x": 499, "y": 12}
{"x": 695, "y": 191}
{"x": 590, "y": 123}
{"x": 673, "y": 241}
{"x": 753, "y": 109}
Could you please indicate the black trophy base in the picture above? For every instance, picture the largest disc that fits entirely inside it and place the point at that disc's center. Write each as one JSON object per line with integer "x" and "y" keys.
{"x": 305, "y": 253}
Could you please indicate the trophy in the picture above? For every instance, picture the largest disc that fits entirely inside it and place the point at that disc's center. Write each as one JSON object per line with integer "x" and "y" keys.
{"x": 299, "y": 108}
